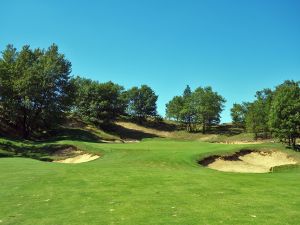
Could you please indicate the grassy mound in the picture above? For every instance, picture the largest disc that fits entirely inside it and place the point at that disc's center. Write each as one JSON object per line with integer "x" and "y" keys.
{"x": 156, "y": 181}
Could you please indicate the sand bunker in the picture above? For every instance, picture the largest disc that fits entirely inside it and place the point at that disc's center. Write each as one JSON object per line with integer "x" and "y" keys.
{"x": 79, "y": 158}
{"x": 248, "y": 161}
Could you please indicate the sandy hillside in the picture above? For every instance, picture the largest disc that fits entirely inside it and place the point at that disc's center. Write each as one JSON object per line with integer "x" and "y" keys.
{"x": 147, "y": 130}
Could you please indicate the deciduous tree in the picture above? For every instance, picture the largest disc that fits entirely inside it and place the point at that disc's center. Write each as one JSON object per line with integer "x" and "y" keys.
{"x": 208, "y": 106}
{"x": 174, "y": 108}
{"x": 202, "y": 107}
{"x": 35, "y": 88}
{"x": 99, "y": 103}
{"x": 141, "y": 102}
{"x": 238, "y": 114}
{"x": 257, "y": 116}
{"x": 284, "y": 118}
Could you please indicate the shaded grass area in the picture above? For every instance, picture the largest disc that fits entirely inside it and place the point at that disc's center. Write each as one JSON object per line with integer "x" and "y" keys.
{"x": 75, "y": 129}
{"x": 227, "y": 138}
{"x": 58, "y": 144}
{"x": 156, "y": 181}
{"x": 35, "y": 150}
{"x": 127, "y": 133}
{"x": 91, "y": 133}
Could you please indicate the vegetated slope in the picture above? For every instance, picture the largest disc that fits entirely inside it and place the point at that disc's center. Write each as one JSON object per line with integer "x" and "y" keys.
{"x": 62, "y": 143}
{"x": 144, "y": 129}
{"x": 219, "y": 134}
{"x": 58, "y": 144}
{"x": 126, "y": 130}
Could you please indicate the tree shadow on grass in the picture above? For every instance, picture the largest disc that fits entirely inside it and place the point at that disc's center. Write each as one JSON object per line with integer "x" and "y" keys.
{"x": 225, "y": 130}
{"x": 41, "y": 152}
{"x": 72, "y": 134}
{"x": 126, "y": 133}
{"x": 296, "y": 148}
{"x": 161, "y": 126}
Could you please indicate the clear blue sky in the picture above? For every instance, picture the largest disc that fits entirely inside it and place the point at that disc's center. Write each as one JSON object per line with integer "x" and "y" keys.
{"x": 237, "y": 47}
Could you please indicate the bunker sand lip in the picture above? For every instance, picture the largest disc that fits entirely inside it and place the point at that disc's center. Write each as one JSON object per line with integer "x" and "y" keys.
{"x": 79, "y": 158}
{"x": 248, "y": 161}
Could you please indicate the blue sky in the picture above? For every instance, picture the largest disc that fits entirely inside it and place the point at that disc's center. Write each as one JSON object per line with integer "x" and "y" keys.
{"x": 237, "y": 47}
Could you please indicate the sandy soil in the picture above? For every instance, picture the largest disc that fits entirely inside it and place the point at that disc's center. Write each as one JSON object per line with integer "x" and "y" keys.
{"x": 79, "y": 158}
{"x": 208, "y": 137}
{"x": 253, "y": 162}
{"x": 242, "y": 142}
{"x": 131, "y": 141}
{"x": 144, "y": 129}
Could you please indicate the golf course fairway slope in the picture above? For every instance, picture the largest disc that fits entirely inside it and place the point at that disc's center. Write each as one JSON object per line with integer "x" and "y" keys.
{"x": 153, "y": 182}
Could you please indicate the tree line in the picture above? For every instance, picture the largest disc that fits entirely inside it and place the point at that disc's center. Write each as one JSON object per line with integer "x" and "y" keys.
{"x": 196, "y": 109}
{"x": 273, "y": 113}
{"x": 37, "y": 93}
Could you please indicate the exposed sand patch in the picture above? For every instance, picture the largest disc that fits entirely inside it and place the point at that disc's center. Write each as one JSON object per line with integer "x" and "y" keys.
{"x": 79, "y": 158}
{"x": 131, "y": 141}
{"x": 120, "y": 141}
{"x": 111, "y": 142}
{"x": 242, "y": 142}
{"x": 208, "y": 137}
{"x": 247, "y": 161}
{"x": 146, "y": 130}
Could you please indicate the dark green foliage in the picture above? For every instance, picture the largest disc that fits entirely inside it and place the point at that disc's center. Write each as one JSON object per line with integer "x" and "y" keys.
{"x": 187, "y": 92}
{"x": 284, "y": 118}
{"x": 187, "y": 112}
{"x": 174, "y": 107}
{"x": 207, "y": 106}
{"x": 99, "y": 103}
{"x": 141, "y": 102}
{"x": 238, "y": 114}
{"x": 35, "y": 91}
{"x": 257, "y": 116}
{"x": 43, "y": 152}
{"x": 203, "y": 106}
{"x": 274, "y": 113}
{"x": 181, "y": 109}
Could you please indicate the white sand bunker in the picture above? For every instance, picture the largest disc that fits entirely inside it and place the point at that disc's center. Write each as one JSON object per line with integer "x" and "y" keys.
{"x": 79, "y": 158}
{"x": 248, "y": 161}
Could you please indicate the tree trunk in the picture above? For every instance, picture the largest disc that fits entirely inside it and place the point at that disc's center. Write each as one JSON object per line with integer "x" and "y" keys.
{"x": 203, "y": 128}
{"x": 25, "y": 129}
{"x": 289, "y": 140}
{"x": 140, "y": 119}
{"x": 188, "y": 127}
{"x": 293, "y": 143}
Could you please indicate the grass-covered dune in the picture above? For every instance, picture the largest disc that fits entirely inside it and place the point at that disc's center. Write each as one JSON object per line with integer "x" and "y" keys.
{"x": 156, "y": 181}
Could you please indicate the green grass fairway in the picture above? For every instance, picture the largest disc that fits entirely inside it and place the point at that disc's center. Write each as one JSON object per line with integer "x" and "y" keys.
{"x": 156, "y": 181}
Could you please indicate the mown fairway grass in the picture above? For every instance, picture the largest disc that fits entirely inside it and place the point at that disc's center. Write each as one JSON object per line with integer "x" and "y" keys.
{"x": 157, "y": 181}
